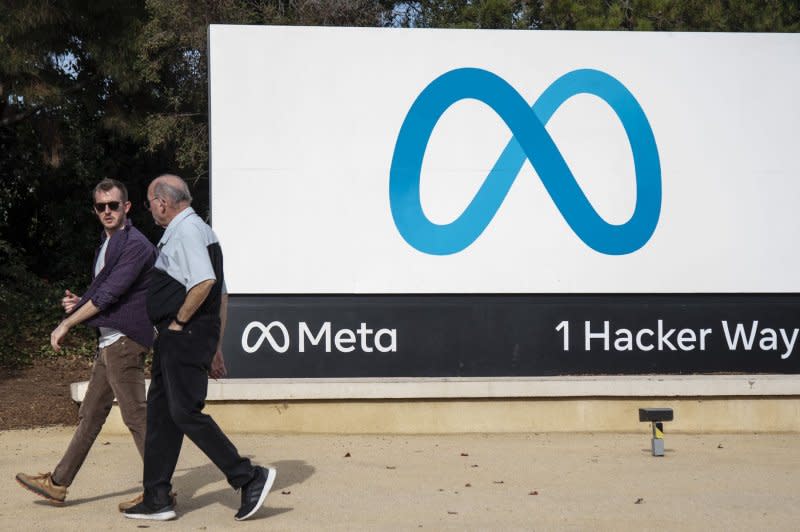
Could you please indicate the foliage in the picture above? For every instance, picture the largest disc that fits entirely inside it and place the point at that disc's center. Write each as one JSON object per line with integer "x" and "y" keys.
{"x": 119, "y": 89}
{"x": 652, "y": 15}
{"x": 30, "y": 308}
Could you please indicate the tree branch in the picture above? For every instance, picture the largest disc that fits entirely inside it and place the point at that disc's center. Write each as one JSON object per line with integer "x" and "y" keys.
{"x": 35, "y": 108}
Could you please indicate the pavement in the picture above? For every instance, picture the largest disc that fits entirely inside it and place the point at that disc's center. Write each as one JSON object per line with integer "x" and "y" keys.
{"x": 547, "y": 481}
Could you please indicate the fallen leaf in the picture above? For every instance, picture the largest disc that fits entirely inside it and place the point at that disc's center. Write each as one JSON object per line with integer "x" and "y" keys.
{"x": 533, "y": 493}
{"x": 639, "y": 501}
{"x": 286, "y": 492}
{"x": 347, "y": 455}
{"x": 464, "y": 454}
{"x": 499, "y": 482}
{"x": 452, "y": 513}
{"x": 719, "y": 446}
{"x": 391, "y": 467}
{"x": 474, "y": 465}
{"x": 467, "y": 485}
{"x": 106, "y": 443}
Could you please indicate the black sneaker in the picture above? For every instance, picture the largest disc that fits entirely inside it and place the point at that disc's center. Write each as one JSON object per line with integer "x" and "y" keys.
{"x": 255, "y": 491}
{"x": 143, "y": 511}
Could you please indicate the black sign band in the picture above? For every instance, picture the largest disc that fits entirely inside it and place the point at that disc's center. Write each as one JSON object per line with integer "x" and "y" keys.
{"x": 511, "y": 335}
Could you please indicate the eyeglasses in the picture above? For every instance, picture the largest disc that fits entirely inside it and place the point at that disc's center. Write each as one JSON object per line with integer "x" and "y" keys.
{"x": 147, "y": 202}
{"x": 101, "y": 207}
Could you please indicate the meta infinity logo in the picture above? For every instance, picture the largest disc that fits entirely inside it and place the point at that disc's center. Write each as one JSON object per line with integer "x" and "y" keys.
{"x": 532, "y": 142}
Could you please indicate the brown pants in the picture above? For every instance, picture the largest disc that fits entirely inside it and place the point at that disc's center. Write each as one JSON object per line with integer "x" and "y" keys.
{"x": 118, "y": 371}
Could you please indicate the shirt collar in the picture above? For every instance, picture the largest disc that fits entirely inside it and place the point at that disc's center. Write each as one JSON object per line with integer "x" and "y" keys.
{"x": 185, "y": 213}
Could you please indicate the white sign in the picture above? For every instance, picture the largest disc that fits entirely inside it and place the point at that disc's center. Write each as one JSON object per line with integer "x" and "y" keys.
{"x": 351, "y": 160}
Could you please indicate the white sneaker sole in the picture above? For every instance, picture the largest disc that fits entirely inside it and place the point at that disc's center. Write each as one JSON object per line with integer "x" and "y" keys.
{"x": 160, "y": 516}
{"x": 271, "y": 474}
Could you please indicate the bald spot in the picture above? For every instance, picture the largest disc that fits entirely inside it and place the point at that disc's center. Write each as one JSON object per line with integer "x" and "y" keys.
{"x": 171, "y": 180}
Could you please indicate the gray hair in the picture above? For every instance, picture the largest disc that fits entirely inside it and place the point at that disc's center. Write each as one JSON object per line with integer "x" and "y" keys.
{"x": 174, "y": 195}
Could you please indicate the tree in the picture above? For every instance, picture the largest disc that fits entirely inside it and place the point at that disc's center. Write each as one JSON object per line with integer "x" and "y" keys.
{"x": 653, "y": 15}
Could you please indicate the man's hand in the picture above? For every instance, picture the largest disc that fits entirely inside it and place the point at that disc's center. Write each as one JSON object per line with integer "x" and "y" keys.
{"x": 174, "y": 326}
{"x": 217, "y": 369}
{"x": 86, "y": 311}
{"x": 58, "y": 335}
{"x": 69, "y": 301}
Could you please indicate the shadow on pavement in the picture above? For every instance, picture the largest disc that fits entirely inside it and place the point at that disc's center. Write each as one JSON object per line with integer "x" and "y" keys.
{"x": 121, "y": 494}
{"x": 192, "y": 480}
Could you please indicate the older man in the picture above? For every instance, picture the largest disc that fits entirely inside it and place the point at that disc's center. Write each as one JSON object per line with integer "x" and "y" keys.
{"x": 187, "y": 304}
{"x": 115, "y": 304}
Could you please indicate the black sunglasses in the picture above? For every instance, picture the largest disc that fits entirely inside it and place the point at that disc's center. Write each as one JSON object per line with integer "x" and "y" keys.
{"x": 101, "y": 207}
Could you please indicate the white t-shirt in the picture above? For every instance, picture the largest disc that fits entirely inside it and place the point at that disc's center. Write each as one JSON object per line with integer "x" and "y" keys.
{"x": 107, "y": 335}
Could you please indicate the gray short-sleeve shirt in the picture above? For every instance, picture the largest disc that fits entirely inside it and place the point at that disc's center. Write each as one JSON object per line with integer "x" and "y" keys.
{"x": 183, "y": 250}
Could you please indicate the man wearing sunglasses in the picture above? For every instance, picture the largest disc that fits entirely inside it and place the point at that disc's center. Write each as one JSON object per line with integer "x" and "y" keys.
{"x": 187, "y": 303}
{"x": 114, "y": 303}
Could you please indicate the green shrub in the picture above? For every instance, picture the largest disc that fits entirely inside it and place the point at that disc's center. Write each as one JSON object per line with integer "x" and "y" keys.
{"x": 30, "y": 308}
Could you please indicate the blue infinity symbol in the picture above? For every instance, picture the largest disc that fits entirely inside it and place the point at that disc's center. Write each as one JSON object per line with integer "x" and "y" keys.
{"x": 530, "y": 140}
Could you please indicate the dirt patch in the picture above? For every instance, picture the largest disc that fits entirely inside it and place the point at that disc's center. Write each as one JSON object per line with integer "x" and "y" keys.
{"x": 39, "y": 395}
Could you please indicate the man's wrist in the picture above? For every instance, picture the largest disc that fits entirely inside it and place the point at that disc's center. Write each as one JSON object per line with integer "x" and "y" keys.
{"x": 181, "y": 323}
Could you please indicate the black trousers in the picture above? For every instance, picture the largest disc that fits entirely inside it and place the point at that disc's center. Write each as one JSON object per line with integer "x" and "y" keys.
{"x": 175, "y": 403}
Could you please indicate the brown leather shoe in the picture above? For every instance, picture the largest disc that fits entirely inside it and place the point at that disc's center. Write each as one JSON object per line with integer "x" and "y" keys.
{"x": 42, "y": 485}
{"x": 124, "y": 505}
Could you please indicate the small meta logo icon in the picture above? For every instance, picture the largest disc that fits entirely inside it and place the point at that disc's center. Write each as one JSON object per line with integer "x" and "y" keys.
{"x": 532, "y": 142}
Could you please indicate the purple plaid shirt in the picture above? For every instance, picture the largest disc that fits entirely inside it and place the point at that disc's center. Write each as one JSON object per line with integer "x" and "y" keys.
{"x": 120, "y": 289}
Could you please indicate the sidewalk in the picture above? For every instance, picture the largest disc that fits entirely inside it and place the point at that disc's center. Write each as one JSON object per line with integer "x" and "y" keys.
{"x": 453, "y": 482}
